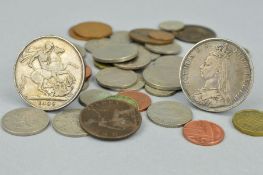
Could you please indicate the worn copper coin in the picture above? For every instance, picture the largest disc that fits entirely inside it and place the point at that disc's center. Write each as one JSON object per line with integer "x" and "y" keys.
{"x": 194, "y": 33}
{"x": 142, "y": 36}
{"x": 110, "y": 119}
{"x": 87, "y": 71}
{"x": 143, "y": 100}
{"x": 202, "y": 132}
{"x": 72, "y": 33}
{"x": 161, "y": 35}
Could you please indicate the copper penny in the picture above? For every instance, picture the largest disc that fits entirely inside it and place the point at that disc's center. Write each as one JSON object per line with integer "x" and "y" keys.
{"x": 93, "y": 30}
{"x": 110, "y": 119}
{"x": 143, "y": 100}
{"x": 74, "y": 35}
{"x": 161, "y": 35}
{"x": 142, "y": 36}
{"x": 202, "y": 132}
{"x": 88, "y": 71}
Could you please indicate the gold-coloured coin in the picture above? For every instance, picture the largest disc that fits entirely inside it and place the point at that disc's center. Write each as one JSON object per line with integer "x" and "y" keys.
{"x": 49, "y": 73}
{"x": 249, "y": 122}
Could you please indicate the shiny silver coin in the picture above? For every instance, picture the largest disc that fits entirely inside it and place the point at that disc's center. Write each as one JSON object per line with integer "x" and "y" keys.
{"x": 25, "y": 121}
{"x": 168, "y": 49}
{"x": 92, "y": 45}
{"x": 120, "y": 37}
{"x": 81, "y": 50}
{"x": 163, "y": 74}
{"x": 169, "y": 114}
{"x": 89, "y": 96}
{"x": 158, "y": 92}
{"x": 67, "y": 123}
{"x": 115, "y": 53}
{"x": 116, "y": 78}
{"x": 171, "y": 25}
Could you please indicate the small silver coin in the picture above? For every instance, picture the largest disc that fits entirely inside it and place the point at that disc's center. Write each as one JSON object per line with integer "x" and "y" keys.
{"x": 67, "y": 123}
{"x": 168, "y": 49}
{"x": 94, "y": 44}
{"x": 137, "y": 86}
{"x": 116, "y": 78}
{"x": 120, "y": 37}
{"x": 89, "y": 96}
{"x": 25, "y": 121}
{"x": 171, "y": 25}
{"x": 115, "y": 53}
{"x": 169, "y": 114}
{"x": 81, "y": 50}
{"x": 157, "y": 92}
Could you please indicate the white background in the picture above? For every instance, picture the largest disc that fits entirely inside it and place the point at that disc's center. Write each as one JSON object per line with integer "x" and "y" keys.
{"x": 153, "y": 149}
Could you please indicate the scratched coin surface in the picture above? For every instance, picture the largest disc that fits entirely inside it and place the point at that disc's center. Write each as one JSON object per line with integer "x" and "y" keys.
{"x": 49, "y": 73}
{"x": 90, "y": 96}
{"x": 202, "y": 132}
{"x": 216, "y": 75}
{"x": 249, "y": 122}
{"x": 67, "y": 123}
{"x": 115, "y": 53}
{"x": 110, "y": 119}
{"x": 167, "y": 49}
{"x": 158, "y": 92}
{"x": 116, "y": 78}
{"x": 25, "y": 121}
{"x": 169, "y": 114}
{"x": 171, "y": 25}
{"x": 194, "y": 33}
{"x": 126, "y": 99}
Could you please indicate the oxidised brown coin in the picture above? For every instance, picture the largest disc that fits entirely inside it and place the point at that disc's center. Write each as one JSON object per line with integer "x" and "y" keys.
{"x": 194, "y": 33}
{"x": 110, "y": 119}
{"x": 161, "y": 35}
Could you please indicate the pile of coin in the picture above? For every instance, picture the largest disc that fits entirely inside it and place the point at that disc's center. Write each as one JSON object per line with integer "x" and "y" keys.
{"x": 51, "y": 72}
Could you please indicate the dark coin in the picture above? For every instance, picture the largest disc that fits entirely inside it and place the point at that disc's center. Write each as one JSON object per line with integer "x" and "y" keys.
{"x": 142, "y": 36}
{"x": 194, "y": 34}
{"x": 110, "y": 119}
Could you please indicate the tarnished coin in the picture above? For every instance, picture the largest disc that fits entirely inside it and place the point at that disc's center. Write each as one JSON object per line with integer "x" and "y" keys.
{"x": 101, "y": 65}
{"x": 126, "y": 99}
{"x": 202, "y": 132}
{"x": 93, "y": 30}
{"x": 158, "y": 92}
{"x": 249, "y": 122}
{"x": 169, "y": 114}
{"x": 67, "y": 123}
{"x": 167, "y": 49}
{"x": 163, "y": 74}
{"x": 141, "y": 61}
{"x": 94, "y": 44}
{"x": 116, "y": 78}
{"x": 194, "y": 33}
{"x": 161, "y": 35}
{"x": 110, "y": 119}
{"x": 142, "y": 36}
{"x": 49, "y": 73}
{"x": 81, "y": 50}
{"x": 120, "y": 37}
{"x": 143, "y": 100}
{"x": 87, "y": 71}
{"x": 171, "y": 25}
{"x": 90, "y": 96}
{"x": 115, "y": 53}
{"x": 25, "y": 121}
{"x": 85, "y": 85}
{"x": 72, "y": 33}
{"x": 216, "y": 75}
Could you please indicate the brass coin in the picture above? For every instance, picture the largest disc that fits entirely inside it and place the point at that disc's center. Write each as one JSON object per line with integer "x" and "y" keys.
{"x": 49, "y": 73}
{"x": 161, "y": 35}
{"x": 126, "y": 99}
{"x": 142, "y": 36}
{"x": 93, "y": 30}
{"x": 194, "y": 33}
{"x": 157, "y": 92}
{"x": 110, "y": 119}
{"x": 249, "y": 122}
{"x": 72, "y": 33}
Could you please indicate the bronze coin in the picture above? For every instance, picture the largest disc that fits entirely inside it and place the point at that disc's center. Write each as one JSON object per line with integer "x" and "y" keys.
{"x": 93, "y": 30}
{"x": 202, "y": 132}
{"x": 110, "y": 119}
{"x": 194, "y": 33}
{"x": 88, "y": 71}
{"x": 74, "y": 35}
{"x": 161, "y": 35}
{"x": 142, "y": 36}
{"x": 143, "y": 100}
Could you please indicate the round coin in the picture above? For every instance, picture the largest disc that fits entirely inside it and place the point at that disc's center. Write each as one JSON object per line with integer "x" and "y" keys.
{"x": 67, "y": 123}
{"x": 25, "y": 121}
{"x": 126, "y": 99}
{"x": 116, "y": 78}
{"x": 138, "y": 85}
{"x": 94, "y": 44}
{"x": 171, "y": 25}
{"x": 169, "y": 114}
{"x": 157, "y": 92}
{"x": 216, "y": 75}
{"x": 74, "y": 35}
{"x": 90, "y": 96}
{"x": 120, "y": 37}
{"x": 249, "y": 122}
{"x": 115, "y": 53}
{"x": 49, "y": 73}
{"x": 194, "y": 33}
{"x": 143, "y": 100}
{"x": 202, "y": 132}
{"x": 167, "y": 49}
{"x": 161, "y": 35}
{"x": 110, "y": 119}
